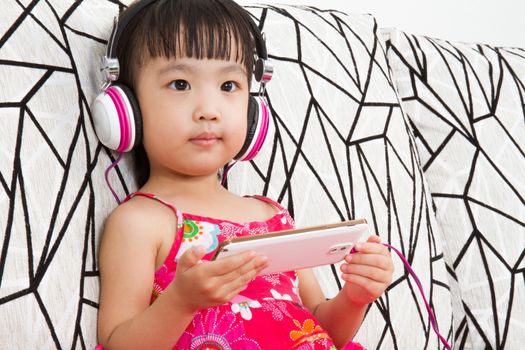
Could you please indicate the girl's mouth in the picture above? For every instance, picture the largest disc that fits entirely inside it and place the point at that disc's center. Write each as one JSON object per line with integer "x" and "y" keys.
{"x": 205, "y": 139}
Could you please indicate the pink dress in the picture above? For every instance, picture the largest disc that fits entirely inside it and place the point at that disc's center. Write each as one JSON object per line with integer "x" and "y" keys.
{"x": 267, "y": 314}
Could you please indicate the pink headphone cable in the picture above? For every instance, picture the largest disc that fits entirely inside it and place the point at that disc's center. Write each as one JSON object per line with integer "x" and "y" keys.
{"x": 106, "y": 175}
{"x": 225, "y": 172}
{"x": 412, "y": 273}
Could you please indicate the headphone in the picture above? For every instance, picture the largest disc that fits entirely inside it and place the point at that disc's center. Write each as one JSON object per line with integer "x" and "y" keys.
{"x": 116, "y": 112}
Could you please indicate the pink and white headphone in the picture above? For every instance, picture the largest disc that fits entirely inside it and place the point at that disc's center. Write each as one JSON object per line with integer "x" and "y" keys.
{"x": 116, "y": 112}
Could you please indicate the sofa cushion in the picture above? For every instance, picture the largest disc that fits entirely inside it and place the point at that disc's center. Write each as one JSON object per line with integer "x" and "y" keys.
{"x": 341, "y": 149}
{"x": 53, "y": 199}
{"x": 466, "y": 103}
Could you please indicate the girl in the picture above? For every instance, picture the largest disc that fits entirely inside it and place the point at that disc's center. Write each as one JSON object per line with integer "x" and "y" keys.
{"x": 189, "y": 63}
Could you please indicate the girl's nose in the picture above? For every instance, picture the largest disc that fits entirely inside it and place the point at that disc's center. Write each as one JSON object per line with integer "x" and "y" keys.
{"x": 207, "y": 111}
{"x": 207, "y": 116}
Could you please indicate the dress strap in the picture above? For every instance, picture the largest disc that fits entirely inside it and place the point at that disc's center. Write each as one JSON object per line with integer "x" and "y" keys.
{"x": 179, "y": 231}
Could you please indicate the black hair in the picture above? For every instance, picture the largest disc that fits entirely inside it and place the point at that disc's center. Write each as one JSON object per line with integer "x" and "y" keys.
{"x": 202, "y": 29}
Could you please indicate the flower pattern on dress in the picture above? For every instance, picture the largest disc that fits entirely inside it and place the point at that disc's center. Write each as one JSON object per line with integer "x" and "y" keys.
{"x": 242, "y": 304}
{"x": 229, "y": 231}
{"x": 257, "y": 230}
{"x": 278, "y": 296}
{"x": 309, "y": 332}
{"x": 277, "y": 308}
{"x": 242, "y": 323}
{"x": 162, "y": 278}
{"x": 295, "y": 284}
{"x": 272, "y": 278}
{"x": 199, "y": 233}
{"x": 216, "y": 331}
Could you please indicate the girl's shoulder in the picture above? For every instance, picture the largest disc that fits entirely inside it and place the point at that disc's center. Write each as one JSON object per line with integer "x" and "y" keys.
{"x": 142, "y": 212}
{"x": 139, "y": 220}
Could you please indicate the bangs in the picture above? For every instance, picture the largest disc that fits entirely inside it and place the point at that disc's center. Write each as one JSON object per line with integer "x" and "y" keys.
{"x": 200, "y": 29}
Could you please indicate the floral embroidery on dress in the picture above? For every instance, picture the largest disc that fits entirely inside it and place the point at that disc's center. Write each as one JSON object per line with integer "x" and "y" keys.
{"x": 295, "y": 284}
{"x": 277, "y": 308}
{"x": 229, "y": 231}
{"x": 217, "y": 331}
{"x": 242, "y": 304}
{"x": 309, "y": 332}
{"x": 278, "y": 296}
{"x": 263, "y": 315}
{"x": 272, "y": 278}
{"x": 162, "y": 278}
{"x": 257, "y": 230}
{"x": 201, "y": 233}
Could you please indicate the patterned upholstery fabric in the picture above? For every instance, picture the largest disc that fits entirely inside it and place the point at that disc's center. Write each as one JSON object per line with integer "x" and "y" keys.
{"x": 466, "y": 104}
{"x": 53, "y": 198}
{"x": 341, "y": 149}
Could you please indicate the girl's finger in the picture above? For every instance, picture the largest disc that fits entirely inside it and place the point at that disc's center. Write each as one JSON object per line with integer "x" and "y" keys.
{"x": 381, "y": 261}
{"x": 374, "y": 239}
{"x": 372, "y": 273}
{"x": 230, "y": 285}
{"x": 371, "y": 247}
{"x": 227, "y": 265}
{"x": 246, "y": 272}
{"x": 372, "y": 287}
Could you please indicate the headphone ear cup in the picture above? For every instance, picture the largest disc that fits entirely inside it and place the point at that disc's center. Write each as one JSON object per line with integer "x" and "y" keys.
{"x": 258, "y": 123}
{"x": 253, "y": 117}
{"x": 116, "y": 117}
{"x": 134, "y": 117}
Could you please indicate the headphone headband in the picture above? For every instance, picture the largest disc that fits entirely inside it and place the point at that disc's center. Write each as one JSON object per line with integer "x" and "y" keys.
{"x": 110, "y": 67}
{"x": 122, "y": 21}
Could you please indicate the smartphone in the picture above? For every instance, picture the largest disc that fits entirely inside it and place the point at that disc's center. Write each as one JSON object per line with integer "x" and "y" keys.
{"x": 299, "y": 248}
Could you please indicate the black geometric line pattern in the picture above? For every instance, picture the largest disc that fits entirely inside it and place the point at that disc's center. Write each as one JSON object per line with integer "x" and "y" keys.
{"x": 341, "y": 149}
{"x": 52, "y": 196}
{"x": 466, "y": 104}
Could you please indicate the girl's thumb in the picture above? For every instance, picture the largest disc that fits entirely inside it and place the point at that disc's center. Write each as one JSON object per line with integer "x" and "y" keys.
{"x": 191, "y": 257}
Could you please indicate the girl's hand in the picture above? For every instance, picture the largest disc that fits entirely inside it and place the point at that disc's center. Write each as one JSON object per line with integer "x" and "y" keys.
{"x": 201, "y": 284}
{"x": 367, "y": 272}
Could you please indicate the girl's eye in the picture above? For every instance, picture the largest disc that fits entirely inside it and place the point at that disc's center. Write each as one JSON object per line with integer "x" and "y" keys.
{"x": 229, "y": 86}
{"x": 180, "y": 85}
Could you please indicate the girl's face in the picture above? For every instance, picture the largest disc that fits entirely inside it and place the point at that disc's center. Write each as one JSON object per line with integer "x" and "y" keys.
{"x": 194, "y": 113}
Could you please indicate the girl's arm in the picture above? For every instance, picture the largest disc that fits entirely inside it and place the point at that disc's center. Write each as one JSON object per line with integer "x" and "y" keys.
{"x": 367, "y": 274}
{"x": 128, "y": 255}
{"x": 127, "y": 260}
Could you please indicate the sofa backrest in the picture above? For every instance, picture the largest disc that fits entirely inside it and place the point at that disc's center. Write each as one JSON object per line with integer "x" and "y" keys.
{"x": 466, "y": 104}
{"x": 341, "y": 149}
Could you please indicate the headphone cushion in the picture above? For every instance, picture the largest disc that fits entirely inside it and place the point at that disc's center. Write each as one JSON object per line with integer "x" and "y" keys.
{"x": 258, "y": 124}
{"x": 251, "y": 127}
{"x": 253, "y": 119}
{"x": 134, "y": 116}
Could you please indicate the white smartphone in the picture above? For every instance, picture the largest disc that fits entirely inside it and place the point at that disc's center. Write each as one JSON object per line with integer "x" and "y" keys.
{"x": 299, "y": 248}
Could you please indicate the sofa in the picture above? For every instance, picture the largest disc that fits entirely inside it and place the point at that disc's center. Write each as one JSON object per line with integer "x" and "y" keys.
{"x": 423, "y": 137}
